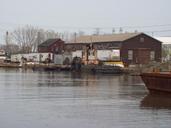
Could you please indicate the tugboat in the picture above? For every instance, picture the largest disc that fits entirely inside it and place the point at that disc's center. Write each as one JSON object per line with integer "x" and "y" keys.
{"x": 157, "y": 81}
{"x": 76, "y": 64}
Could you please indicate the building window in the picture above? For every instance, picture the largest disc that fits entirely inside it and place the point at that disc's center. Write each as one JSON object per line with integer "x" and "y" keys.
{"x": 141, "y": 39}
{"x": 130, "y": 54}
{"x": 152, "y": 55}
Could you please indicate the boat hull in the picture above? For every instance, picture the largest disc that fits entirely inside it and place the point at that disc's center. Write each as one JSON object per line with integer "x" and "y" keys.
{"x": 107, "y": 69}
{"x": 157, "y": 82}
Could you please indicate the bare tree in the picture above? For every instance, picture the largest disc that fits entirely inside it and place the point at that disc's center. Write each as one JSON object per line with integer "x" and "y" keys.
{"x": 26, "y": 37}
{"x": 10, "y": 47}
{"x": 46, "y": 34}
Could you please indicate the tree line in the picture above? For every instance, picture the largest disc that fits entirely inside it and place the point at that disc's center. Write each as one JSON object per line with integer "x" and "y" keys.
{"x": 26, "y": 39}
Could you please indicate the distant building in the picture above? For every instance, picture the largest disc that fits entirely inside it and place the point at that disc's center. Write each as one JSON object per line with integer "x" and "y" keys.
{"x": 164, "y": 40}
{"x": 3, "y": 56}
{"x": 166, "y": 45}
{"x": 46, "y": 52}
{"x": 130, "y": 48}
{"x": 32, "y": 57}
{"x": 51, "y": 46}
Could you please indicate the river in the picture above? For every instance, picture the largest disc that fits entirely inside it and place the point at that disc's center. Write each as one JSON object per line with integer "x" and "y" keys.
{"x": 37, "y": 99}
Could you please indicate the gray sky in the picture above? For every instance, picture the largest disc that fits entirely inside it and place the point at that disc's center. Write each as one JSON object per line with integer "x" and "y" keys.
{"x": 87, "y": 14}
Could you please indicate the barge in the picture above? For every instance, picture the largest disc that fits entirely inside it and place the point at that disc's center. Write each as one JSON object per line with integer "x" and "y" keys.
{"x": 157, "y": 82}
{"x": 105, "y": 69}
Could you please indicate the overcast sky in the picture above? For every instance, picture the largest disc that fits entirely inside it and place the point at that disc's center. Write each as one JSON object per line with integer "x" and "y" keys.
{"x": 86, "y": 14}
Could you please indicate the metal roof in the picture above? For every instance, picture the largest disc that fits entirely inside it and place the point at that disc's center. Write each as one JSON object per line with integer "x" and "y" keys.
{"x": 165, "y": 40}
{"x": 105, "y": 38}
{"x": 48, "y": 42}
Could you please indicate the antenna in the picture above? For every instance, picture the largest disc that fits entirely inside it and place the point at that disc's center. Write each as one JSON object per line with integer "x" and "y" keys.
{"x": 75, "y": 37}
{"x": 97, "y": 31}
{"x": 120, "y": 30}
{"x": 113, "y": 30}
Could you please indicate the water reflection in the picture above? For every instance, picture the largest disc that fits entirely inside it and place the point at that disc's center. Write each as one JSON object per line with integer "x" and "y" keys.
{"x": 157, "y": 101}
{"x": 36, "y": 99}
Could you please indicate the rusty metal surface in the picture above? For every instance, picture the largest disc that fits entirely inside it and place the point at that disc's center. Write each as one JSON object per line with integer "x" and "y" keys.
{"x": 157, "y": 81}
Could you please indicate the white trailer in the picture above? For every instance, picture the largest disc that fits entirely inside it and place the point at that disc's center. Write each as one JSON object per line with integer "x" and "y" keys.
{"x": 32, "y": 57}
{"x": 106, "y": 55}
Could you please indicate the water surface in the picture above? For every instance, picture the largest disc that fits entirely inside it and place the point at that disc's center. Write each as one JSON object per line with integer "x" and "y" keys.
{"x": 72, "y": 100}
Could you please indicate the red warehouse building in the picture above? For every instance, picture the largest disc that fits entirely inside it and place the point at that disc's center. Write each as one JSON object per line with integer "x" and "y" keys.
{"x": 51, "y": 46}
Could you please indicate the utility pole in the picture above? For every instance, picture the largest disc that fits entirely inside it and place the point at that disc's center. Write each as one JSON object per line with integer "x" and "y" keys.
{"x": 38, "y": 38}
{"x": 38, "y": 41}
{"x": 7, "y": 39}
{"x": 7, "y": 42}
{"x": 75, "y": 37}
{"x": 113, "y": 30}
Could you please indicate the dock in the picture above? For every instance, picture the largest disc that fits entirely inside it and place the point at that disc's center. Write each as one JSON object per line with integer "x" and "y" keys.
{"x": 38, "y": 66}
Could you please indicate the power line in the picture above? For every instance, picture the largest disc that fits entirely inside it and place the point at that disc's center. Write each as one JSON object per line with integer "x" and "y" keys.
{"x": 148, "y": 26}
{"x": 157, "y": 31}
{"x": 68, "y": 27}
{"x": 97, "y": 29}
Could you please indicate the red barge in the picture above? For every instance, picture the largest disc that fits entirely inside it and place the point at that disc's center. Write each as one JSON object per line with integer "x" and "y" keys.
{"x": 160, "y": 82}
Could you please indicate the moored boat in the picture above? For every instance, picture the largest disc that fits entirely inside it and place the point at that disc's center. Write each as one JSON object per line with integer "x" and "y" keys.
{"x": 157, "y": 82}
{"x": 105, "y": 69}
